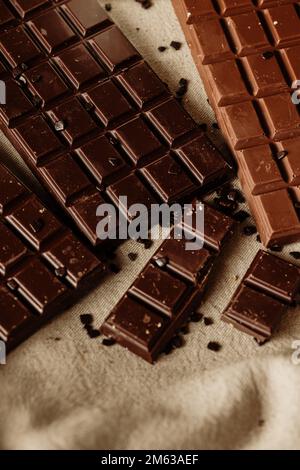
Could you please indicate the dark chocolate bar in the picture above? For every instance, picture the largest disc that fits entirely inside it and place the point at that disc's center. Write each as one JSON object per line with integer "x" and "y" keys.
{"x": 168, "y": 290}
{"x": 247, "y": 54}
{"x": 270, "y": 285}
{"x": 44, "y": 268}
{"x": 91, "y": 118}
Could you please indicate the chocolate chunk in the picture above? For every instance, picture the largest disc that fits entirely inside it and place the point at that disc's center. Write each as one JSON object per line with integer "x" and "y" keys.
{"x": 162, "y": 48}
{"x": 208, "y": 321}
{"x": 165, "y": 295}
{"x": 260, "y": 302}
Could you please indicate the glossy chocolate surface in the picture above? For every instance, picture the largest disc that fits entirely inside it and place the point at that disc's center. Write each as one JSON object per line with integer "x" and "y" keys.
{"x": 166, "y": 292}
{"x": 44, "y": 268}
{"x": 247, "y": 52}
{"x": 260, "y": 302}
{"x": 89, "y": 115}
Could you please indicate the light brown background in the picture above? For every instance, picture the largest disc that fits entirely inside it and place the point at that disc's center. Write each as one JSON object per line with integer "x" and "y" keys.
{"x": 75, "y": 393}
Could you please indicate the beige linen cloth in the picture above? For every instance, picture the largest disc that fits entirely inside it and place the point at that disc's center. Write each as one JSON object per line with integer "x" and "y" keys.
{"x": 77, "y": 394}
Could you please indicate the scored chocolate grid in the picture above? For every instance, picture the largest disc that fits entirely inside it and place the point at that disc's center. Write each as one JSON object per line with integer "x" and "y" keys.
{"x": 98, "y": 125}
{"x": 227, "y": 58}
{"x": 43, "y": 267}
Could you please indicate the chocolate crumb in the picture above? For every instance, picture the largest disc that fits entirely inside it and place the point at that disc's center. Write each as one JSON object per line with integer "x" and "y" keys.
{"x": 57, "y": 339}
{"x": 87, "y": 322}
{"x": 108, "y": 7}
{"x": 145, "y": 3}
{"x": 258, "y": 239}
{"x": 86, "y": 319}
{"x": 196, "y": 317}
{"x": 133, "y": 256}
{"x": 93, "y": 333}
{"x": 183, "y": 88}
{"x": 241, "y": 216}
{"x": 236, "y": 196}
{"x": 261, "y": 422}
{"x": 224, "y": 190}
{"x": 169, "y": 348}
{"x": 59, "y": 126}
{"x": 114, "y": 268}
{"x": 225, "y": 205}
{"x": 276, "y": 248}
{"x": 146, "y": 242}
{"x": 203, "y": 127}
{"x": 249, "y": 230}
{"x": 214, "y": 346}
{"x": 185, "y": 329}
{"x": 176, "y": 45}
{"x": 208, "y": 321}
{"x": 108, "y": 341}
{"x": 295, "y": 254}
{"x": 267, "y": 55}
{"x": 61, "y": 271}
{"x": 281, "y": 155}
{"x": 177, "y": 342}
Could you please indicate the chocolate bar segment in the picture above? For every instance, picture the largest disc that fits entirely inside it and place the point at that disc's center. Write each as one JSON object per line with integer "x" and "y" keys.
{"x": 44, "y": 268}
{"x": 167, "y": 291}
{"x": 270, "y": 285}
{"x": 247, "y": 55}
{"x": 90, "y": 117}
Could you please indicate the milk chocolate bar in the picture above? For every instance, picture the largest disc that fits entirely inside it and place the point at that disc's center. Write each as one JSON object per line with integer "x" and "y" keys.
{"x": 44, "y": 268}
{"x": 269, "y": 287}
{"x": 247, "y": 55}
{"x": 91, "y": 118}
{"x": 168, "y": 290}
